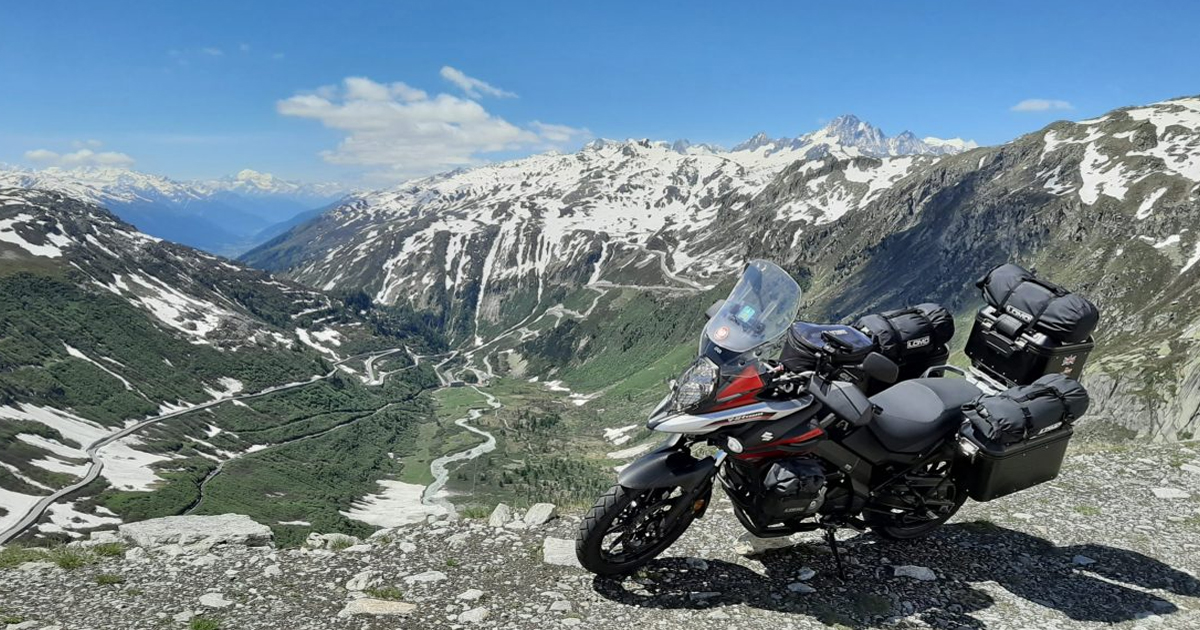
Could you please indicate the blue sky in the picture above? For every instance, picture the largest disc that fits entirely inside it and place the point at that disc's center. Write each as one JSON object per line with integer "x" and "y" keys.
{"x": 206, "y": 89}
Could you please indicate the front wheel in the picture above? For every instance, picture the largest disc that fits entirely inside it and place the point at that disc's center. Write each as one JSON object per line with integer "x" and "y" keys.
{"x": 627, "y": 528}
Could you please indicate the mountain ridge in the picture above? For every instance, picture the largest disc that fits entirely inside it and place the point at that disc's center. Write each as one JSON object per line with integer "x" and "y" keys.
{"x": 223, "y": 216}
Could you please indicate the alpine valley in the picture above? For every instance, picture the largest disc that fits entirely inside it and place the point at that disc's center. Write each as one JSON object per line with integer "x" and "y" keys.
{"x": 496, "y": 334}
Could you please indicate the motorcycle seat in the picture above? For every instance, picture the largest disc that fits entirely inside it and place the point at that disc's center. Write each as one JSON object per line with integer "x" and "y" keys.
{"x": 913, "y": 415}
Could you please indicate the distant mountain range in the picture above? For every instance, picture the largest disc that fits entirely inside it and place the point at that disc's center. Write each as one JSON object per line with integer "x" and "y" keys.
{"x": 224, "y": 216}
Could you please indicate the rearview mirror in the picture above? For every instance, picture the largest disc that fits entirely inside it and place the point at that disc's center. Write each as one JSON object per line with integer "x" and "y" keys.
{"x": 880, "y": 368}
{"x": 714, "y": 309}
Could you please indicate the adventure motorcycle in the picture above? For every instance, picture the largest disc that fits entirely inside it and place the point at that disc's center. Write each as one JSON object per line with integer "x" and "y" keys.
{"x": 806, "y": 449}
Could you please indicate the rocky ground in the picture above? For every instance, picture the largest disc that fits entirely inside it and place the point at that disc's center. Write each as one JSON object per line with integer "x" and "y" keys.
{"x": 1112, "y": 543}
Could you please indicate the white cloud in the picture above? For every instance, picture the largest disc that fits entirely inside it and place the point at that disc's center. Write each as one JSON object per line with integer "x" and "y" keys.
{"x": 558, "y": 134}
{"x": 82, "y": 156}
{"x": 212, "y": 51}
{"x": 1040, "y": 105}
{"x": 403, "y": 132}
{"x": 475, "y": 88}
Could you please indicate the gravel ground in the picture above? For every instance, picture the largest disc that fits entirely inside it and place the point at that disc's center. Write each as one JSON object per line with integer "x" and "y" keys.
{"x": 1111, "y": 543}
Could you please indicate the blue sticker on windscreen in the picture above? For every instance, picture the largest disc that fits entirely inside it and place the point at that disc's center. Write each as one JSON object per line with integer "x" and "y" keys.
{"x": 746, "y": 314}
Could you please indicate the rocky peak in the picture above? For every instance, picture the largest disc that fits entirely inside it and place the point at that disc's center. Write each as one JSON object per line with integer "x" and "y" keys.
{"x": 756, "y": 141}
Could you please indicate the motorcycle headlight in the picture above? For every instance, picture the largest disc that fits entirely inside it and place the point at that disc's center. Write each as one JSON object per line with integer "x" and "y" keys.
{"x": 695, "y": 384}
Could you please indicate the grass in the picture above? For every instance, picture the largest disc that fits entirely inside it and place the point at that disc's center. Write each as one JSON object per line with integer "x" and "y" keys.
{"x": 1088, "y": 510}
{"x": 341, "y": 543}
{"x": 384, "y": 592}
{"x": 108, "y": 579}
{"x": 204, "y": 623}
{"x": 453, "y": 403}
{"x": 109, "y": 550}
{"x": 475, "y": 512}
{"x": 15, "y": 556}
{"x": 71, "y": 558}
{"x": 451, "y": 562}
{"x": 10, "y": 619}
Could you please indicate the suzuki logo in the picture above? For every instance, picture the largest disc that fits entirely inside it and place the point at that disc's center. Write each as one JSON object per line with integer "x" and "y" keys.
{"x": 919, "y": 342}
{"x": 768, "y": 436}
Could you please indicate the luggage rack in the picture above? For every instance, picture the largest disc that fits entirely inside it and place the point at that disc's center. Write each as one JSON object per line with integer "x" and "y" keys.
{"x": 973, "y": 375}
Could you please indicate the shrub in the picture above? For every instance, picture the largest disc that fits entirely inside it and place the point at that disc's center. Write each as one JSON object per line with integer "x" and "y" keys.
{"x": 108, "y": 579}
{"x": 204, "y": 623}
{"x": 341, "y": 542}
{"x": 384, "y": 592}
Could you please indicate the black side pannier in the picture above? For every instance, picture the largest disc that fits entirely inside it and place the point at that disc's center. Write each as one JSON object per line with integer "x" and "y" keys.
{"x": 996, "y": 471}
{"x": 1019, "y": 413}
{"x": 915, "y": 338}
{"x": 804, "y": 339}
{"x": 1038, "y": 304}
{"x": 1018, "y": 438}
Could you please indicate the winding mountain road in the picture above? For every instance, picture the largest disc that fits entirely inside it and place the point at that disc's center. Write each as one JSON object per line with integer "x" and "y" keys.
{"x": 96, "y": 465}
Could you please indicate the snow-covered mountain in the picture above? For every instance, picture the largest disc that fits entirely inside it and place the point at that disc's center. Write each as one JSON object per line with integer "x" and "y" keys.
{"x": 253, "y": 184}
{"x": 847, "y": 136}
{"x": 222, "y": 216}
{"x": 483, "y": 247}
{"x": 1108, "y": 206}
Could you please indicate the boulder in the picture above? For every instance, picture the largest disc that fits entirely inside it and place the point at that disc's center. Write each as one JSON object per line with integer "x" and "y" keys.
{"x": 361, "y": 580}
{"x": 196, "y": 534}
{"x": 333, "y": 541}
{"x": 470, "y": 595}
{"x": 501, "y": 516}
{"x": 378, "y": 607}
{"x": 475, "y": 615}
{"x": 427, "y": 576}
{"x": 560, "y": 552}
{"x": 540, "y": 514}
{"x": 924, "y": 574}
{"x": 751, "y": 545}
{"x": 98, "y": 538}
{"x": 215, "y": 600}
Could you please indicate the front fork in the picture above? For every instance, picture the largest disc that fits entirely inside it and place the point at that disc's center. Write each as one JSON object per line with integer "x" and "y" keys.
{"x": 672, "y": 466}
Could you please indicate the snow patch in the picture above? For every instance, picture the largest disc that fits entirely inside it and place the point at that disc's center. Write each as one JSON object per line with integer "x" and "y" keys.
{"x": 1147, "y": 206}
{"x": 397, "y": 504}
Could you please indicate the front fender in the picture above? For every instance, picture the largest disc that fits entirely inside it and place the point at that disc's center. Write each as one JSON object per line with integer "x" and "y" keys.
{"x": 670, "y": 465}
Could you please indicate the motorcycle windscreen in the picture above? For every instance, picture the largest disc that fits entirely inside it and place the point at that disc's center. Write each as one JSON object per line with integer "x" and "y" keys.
{"x": 759, "y": 309}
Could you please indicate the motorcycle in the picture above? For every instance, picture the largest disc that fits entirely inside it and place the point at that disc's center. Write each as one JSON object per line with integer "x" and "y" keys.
{"x": 798, "y": 451}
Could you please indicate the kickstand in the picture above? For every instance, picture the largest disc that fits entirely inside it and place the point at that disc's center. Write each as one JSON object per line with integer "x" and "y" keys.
{"x": 831, "y": 538}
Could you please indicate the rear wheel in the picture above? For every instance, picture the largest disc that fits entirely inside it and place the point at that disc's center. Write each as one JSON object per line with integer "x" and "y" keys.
{"x": 628, "y": 528}
{"x": 910, "y": 525}
{"x": 931, "y": 510}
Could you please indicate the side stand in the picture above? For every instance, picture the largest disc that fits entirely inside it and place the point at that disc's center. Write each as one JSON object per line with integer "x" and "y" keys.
{"x": 831, "y": 539}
